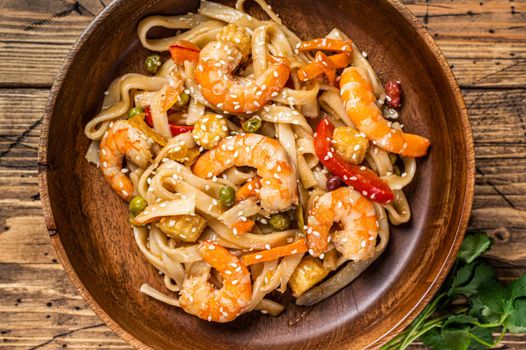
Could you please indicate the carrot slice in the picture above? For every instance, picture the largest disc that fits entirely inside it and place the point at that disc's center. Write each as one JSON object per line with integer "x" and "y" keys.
{"x": 299, "y": 246}
{"x": 169, "y": 98}
{"x": 241, "y": 227}
{"x": 183, "y": 51}
{"x": 341, "y": 60}
{"x": 326, "y": 44}
{"x": 249, "y": 189}
{"x": 322, "y": 64}
{"x": 310, "y": 71}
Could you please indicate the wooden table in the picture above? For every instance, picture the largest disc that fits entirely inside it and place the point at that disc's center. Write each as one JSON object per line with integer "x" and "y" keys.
{"x": 484, "y": 41}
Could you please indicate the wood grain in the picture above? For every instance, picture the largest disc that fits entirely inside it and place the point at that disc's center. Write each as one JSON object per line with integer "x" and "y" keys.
{"x": 490, "y": 67}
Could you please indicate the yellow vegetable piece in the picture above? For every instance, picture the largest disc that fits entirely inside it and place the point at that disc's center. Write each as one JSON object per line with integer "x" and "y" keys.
{"x": 350, "y": 144}
{"x": 139, "y": 123}
{"x": 209, "y": 130}
{"x": 186, "y": 228}
{"x": 309, "y": 272}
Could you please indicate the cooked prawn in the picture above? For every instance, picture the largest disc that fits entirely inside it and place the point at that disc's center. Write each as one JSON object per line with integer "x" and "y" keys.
{"x": 218, "y": 60}
{"x": 359, "y": 101}
{"x": 278, "y": 190}
{"x": 357, "y": 217}
{"x": 201, "y": 298}
{"x": 122, "y": 140}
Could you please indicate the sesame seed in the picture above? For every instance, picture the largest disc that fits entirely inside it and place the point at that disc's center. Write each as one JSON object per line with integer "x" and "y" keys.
{"x": 258, "y": 256}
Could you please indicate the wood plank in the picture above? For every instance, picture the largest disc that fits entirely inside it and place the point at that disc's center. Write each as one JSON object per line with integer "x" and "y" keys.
{"x": 462, "y": 30}
{"x": 40, "y": 309}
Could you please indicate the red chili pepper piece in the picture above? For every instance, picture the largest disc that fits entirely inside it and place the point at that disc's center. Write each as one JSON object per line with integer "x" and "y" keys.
{"x": 362, "y": 179}
{"x": 174, "y": 128}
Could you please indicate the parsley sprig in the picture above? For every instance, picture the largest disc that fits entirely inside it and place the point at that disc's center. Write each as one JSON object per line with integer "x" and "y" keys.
{"x": 470, "y": 306}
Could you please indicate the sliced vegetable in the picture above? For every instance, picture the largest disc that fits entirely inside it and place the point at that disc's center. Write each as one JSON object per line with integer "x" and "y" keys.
{"x": 186, "y": 228}
{"x": 326, "y": 44}
{"x": 309, "y": 272}
{"x": 324, "y": 65}
{"x": 279, "y": 221}
{"x": 359, "y": 177}
{"x": 152, "y": 63}
{"x": 183, "y": 51}
{"x": 297, "y": 247}
{"x": 174, "y": 128}
{"x": 139, "y": 123}
{"x": 183, "y": 154}
{"x": 227, "y": 196}
{"x": 350, "y": 144}
{"x": 169, "y": 97}
{"x": 241, "y": 227}
{"x": 249, "y": 189}
{"x": 330, "y": 260}
{"x": 341, "y": 60}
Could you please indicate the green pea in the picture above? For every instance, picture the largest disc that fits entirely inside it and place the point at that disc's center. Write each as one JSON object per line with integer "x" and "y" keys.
{"x": 135, "y": 111}
{"x": 137, "y": 205}
{"x": 279, "y": 221}
{"x": 182, "y": 100}
{"x": 152, "y": 63}
{"x": 227, "y": 196}
{"x": 252, "y": 125}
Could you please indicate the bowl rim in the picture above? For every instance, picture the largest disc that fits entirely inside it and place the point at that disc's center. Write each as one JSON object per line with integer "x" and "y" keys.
{"x": 398, "y": 326}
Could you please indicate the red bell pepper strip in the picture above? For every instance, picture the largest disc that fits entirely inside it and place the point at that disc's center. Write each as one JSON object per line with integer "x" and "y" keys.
{"x": 183, "y": 51}
{"x": 362, "y": 179}
{"x": 174, "y": 128}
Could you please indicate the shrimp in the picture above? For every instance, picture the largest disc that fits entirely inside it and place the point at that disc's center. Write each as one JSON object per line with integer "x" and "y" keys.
{"x": 121, "y": 140}
{"x": 278, "y": 180}
{"x": 357, "y": 217}
{"x": 200, "y": 297}
{"x": 359, "y": 101}
{"x": 213, "y": 73}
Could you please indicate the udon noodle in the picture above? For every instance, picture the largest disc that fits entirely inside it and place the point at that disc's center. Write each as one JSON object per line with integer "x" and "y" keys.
{"x": 253, "y": 161}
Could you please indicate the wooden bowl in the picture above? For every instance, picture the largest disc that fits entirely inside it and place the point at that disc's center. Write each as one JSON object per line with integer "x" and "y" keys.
{"x": 89, "y": 226}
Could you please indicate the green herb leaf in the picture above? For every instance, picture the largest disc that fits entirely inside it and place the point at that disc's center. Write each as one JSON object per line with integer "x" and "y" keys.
{"x": 483, "y": 334}
{"x": 469, "y": 277}
{"x": 517, "y": 289}
{"x": 460, "y": 319}
{"x": 433, "y": 339}
{"x": 474, "y": 245}
{"x": 457, "y": 339}
{"x": 446, "y": 325}
{"x": 516, "y": 322}
{"x": 494, "y": 297}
